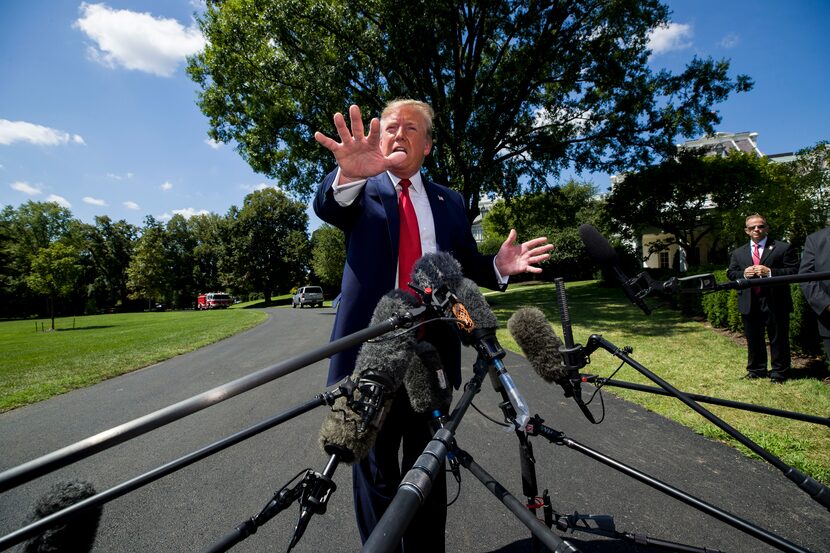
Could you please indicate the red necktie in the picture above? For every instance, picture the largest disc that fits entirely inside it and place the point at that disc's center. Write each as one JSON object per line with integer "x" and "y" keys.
{"x": 409, "y": 245}
{"x": 756, "y": 260}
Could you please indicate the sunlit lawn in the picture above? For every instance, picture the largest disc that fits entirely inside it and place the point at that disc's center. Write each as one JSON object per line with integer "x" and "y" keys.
{"x": 691, "y": 357}
{"x": 36, "y": 365}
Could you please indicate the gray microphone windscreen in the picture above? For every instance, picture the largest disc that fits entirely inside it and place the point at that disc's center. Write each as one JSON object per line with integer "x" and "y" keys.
{"x": 387, "y": 358}
{"x": 339, "y": 432}
{"x": 471, "y": 297}
{"x": 425, "y": 381}
{"x": 390, "y": 354}
{"x": 434, "y": 269}
{"x": 76, "y": 535}
{"x": 540, "y": 344}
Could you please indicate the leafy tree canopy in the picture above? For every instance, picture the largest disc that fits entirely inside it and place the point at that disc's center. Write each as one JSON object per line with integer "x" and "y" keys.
{"x": 521, "y": 89}
{"x": 328, "y": 251}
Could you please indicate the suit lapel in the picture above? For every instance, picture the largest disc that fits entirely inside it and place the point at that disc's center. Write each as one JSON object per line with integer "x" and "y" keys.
{"x": 770, "y": 247}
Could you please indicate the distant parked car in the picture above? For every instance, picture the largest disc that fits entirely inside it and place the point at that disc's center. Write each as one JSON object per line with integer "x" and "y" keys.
{"x": 308, "y": 295}
{"x": 213, "y": 300}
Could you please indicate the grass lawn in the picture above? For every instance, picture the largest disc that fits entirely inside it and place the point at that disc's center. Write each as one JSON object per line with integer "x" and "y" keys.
{"x": 691, "y": 357}
{"x": 81, "y": 351}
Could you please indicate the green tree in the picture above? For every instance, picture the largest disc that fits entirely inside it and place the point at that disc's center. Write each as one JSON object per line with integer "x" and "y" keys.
{"x": 148, "y": 275}
{"x": 54, "y": 271}
{"x": 269, "y": 247}
{"x": 210, "y": 233}
{"x": 179, "y": 246}
{"x": 809, "y": 200}
{"x": 693, "y": 196}
{"x": 328, "y": 254}
{"x": 110, "y": 247}
{"x": 25, "y": 231}
{"x": 521, "y": 89}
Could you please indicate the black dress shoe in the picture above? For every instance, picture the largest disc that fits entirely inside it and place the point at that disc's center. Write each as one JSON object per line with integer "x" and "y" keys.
{"x": 777, "y": 380}
{"x": 753, "y": 376}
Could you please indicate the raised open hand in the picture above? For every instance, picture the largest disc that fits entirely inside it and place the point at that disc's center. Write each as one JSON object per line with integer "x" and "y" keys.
{"x": 358, "y": 155}
{"x": 513, "y": 258}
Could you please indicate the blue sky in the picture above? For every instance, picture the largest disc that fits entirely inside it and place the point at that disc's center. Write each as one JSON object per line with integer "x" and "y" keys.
{"x": 98, "y": 114}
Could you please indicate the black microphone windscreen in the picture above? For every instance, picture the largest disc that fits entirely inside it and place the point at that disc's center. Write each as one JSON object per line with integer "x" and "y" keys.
{"x": 471, "y": 297}
{"x": 78, "y": 534}
{"x": 598, "y": 246}
{"x": 389, "y": 355}
{"x": 540, "y": 344}
{"x": 434, "y": 269}
{"x": 425, "y": 382}
{"x": 339, "y": 432}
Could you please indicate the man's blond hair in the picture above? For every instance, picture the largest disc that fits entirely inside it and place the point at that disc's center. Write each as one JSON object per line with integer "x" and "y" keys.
{"x": 422, "y": 107}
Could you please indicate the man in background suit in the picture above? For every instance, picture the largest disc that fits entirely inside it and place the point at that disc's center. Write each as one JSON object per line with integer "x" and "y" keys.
{"x": 765, "y": 308}
{"x": 816, "y": 259}
{"x": 377, "y": 180}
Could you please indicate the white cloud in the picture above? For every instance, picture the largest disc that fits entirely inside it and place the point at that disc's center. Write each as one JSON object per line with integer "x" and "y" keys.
{"x": 22, "y": 131}
{"x": 137, "y": 41}
{"x": 115, "y": 176}
{"x": 94, "y": 201}
{"x": 166, "y": 186}
{"x": 674, "y": 36}
{"x": 730, "y": 41}
{"x": 132, "y": 205}
{"x": 256, "y": 187}
{"x": 60, "y": 200}
{"x": 26, "y": 188}
{"x": 215, "y": 144}
{"x": 187, "y": 213}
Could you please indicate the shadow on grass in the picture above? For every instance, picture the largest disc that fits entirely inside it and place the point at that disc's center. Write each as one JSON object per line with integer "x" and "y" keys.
{"x": 599, "y": 308}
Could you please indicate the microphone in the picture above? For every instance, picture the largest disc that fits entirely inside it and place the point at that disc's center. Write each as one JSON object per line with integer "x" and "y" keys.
{"x": 77, "y": 535}
{"x": 350, "y": 429}
{"x": 476, "y": 325}
{"x": 434, "y": 269}
{"x": 425, "y": 382}
{"x": 600, "y": 249}
{"x": 541, "y": 346}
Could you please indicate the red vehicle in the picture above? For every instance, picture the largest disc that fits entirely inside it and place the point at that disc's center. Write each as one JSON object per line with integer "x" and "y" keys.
{"x": 213, "y": 300}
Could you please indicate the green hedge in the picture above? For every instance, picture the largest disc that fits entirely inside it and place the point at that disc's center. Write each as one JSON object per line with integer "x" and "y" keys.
{"x": 721, "y": 311}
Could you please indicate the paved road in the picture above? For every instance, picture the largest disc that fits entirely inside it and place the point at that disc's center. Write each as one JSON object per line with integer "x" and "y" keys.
{"x": 189, "y": 510}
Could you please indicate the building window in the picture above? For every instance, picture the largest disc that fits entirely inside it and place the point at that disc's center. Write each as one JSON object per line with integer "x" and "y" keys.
{"x": 664, "y": 260}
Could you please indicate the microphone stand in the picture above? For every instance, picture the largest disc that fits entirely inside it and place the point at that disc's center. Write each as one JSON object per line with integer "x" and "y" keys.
{"x": 537, "y": 428}
{"x": 417, "y": 483}
{"x": 601, "y": 381}
{"x": 313, "y": 493}
{"x": 59, "y": 517}
{"x": 577, "y": 357}
{"x": 108, "y": 438}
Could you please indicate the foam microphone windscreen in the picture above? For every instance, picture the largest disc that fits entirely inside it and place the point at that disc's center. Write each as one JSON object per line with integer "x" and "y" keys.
{"x": 540, "y": 344}
{"x": 471, "y": 297}
{"x": 387, "y": 358}
{"x": 434, "y": 269}
{"x": 339, "y": 432}
{"x": 389, "y": 355}
{"x": 598, "y": 246}
{"x": 425, "y": 381}
{"x": 78, "y": 533}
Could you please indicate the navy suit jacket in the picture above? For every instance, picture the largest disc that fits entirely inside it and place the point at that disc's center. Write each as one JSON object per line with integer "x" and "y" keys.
{"x": 371, "y": 225}
{"x": 816, "y": 259}
{"x": 779, "y": 257}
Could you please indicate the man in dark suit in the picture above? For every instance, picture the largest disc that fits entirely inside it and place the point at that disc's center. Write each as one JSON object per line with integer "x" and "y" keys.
{"x": 387, "y": 210}
{"x": 816, "y": 259}
{"x": 765, "y": 308}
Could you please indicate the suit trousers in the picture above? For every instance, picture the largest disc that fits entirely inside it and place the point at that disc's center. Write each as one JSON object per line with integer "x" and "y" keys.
{"x": 376, "y": 479}
{"x": 761, "y": 320}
